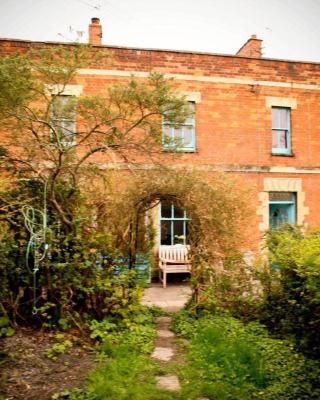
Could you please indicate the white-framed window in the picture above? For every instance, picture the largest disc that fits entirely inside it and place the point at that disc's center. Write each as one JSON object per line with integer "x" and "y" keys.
{"x": 281, "y": 135}
{"x": 173, "y": 224}
{"x": 282, "y": 208}
{"x": 182, "y": 138}
{"x": 63, "y": 120}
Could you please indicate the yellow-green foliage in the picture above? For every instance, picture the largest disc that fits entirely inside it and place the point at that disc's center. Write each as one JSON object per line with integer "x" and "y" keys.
{"x": 292, "y": 286}
{"x": 60, "y": 346}
{"x": 231, "y": 360}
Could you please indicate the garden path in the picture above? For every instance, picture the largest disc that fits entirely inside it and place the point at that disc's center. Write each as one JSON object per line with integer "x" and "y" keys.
{"x": 170, "y": 299}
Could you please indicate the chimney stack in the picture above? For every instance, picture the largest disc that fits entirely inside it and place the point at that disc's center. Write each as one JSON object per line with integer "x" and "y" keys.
{"x": 252, "y": 48}
{"x": 95, "y": 31}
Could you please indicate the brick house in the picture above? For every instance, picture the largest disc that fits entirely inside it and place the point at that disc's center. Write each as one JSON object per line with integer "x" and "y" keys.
{"x": 255, "y": 118}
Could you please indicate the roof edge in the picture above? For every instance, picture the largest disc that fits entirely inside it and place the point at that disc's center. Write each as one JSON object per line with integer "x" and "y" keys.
{"x": 162, "y": 50}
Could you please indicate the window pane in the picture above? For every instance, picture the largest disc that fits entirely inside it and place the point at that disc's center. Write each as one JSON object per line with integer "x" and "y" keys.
{"x": 278, "y": 216}
{"x": 190, "y": 119}
{"x": 279, "y": 139}
{"x": 281, "y": 214}
{"x": 178, "y": 212}
{"x": 167, "y": 131}
{"x": 283, "y": 123}
{"x": 166, "y": 209}
{"x": 280, "y": 118}
{"x": 166, "y": 233}
{"x": 275, "y": 117}
{"x": 67, "y": 130}
{"x": 178, "y": 135}
{"x": 178, "y": 232}
{"x": 188, "y": 135}
{"x": 63, "y": 107}
{"x": 167, "y": 136}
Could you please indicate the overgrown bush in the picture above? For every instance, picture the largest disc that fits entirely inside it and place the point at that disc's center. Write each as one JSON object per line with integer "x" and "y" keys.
{"x": 66, "y": 264}
{"x": 80, "y": 274}
{"x": 292, "y": 287}
{"x": 217, "y": 208}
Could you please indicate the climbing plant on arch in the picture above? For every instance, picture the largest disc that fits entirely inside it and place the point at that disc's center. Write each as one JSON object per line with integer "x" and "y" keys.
{"x": 217, "y": 208}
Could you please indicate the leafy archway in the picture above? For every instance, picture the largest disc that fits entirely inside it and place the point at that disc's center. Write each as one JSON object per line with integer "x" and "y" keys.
{"x": 217, "y": 207}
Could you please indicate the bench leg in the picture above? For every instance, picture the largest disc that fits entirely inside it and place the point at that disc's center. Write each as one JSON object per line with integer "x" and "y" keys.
{"x": 164, "y": 282}
{"x": 160, "y": 277}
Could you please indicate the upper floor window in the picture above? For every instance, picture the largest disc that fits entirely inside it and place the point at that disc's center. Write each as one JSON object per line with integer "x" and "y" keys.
{"x": 281, "y": 140}
{"x": 63, "y": 120}
{"x": 182, "y": 138}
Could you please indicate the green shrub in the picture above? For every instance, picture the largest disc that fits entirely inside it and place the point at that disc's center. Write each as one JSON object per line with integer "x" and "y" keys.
{"x": 78, "y": 278}
{"x": 292, "y": 287}
{"x": 5, "y": 328}
{"x": 135, "y": 328}
{"x": 231, "y": 360}
{"x": 60, "y": 346}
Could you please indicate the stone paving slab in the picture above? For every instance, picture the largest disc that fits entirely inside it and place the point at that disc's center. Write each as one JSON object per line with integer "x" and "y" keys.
{"x": 162, "y": 353}
{"x": 168, "y": 382}
{"x": 163, "y": 320}
{"x": 164, "y": 333}
{"x": 172, "y": 298}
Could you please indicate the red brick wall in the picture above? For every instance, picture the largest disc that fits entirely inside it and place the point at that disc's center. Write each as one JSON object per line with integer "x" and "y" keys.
{"x": 233, "y": 123}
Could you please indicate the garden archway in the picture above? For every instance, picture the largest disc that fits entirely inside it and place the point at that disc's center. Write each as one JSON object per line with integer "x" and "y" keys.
{"x": 216, "y": 206}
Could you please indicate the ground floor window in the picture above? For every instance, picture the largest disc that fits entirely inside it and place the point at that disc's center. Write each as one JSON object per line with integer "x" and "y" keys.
{"x": 173, "y": 224}
{"x": 282, "y": 208}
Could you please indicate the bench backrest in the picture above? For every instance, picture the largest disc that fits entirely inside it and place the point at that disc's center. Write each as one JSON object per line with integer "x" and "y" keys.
{"x": 174, "y": 253}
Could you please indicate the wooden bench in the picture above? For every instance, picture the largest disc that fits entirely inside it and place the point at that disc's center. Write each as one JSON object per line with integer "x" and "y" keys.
{"x": 173, "y": 259}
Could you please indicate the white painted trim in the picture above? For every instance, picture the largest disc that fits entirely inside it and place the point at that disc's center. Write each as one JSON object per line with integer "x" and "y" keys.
{"x": 222, "y": 168}
{"x": 281, "y": 102}
{"x": 211, "y": 79}
{"x": 294, "y": 170}
{"x": 64, "y": 90}
{"x": 192, "y": 96}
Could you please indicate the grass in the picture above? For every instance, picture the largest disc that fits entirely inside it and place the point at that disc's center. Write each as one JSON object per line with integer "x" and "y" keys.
{"x": 125, "y": 375}
{"x": 225, "y": 360}
{"x": 125, "y": 370}
{"x": 230, "y": 360}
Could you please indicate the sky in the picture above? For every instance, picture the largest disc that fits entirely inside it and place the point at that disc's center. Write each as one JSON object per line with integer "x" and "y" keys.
{"x": 290, "y": 29}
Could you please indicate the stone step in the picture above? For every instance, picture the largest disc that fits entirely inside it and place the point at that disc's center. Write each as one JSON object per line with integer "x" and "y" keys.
{"x": 168, "y": 382}
{"x": 162, "y": 353}
{"x": 164, "y": 333}
{"x": 163, "y": 320}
